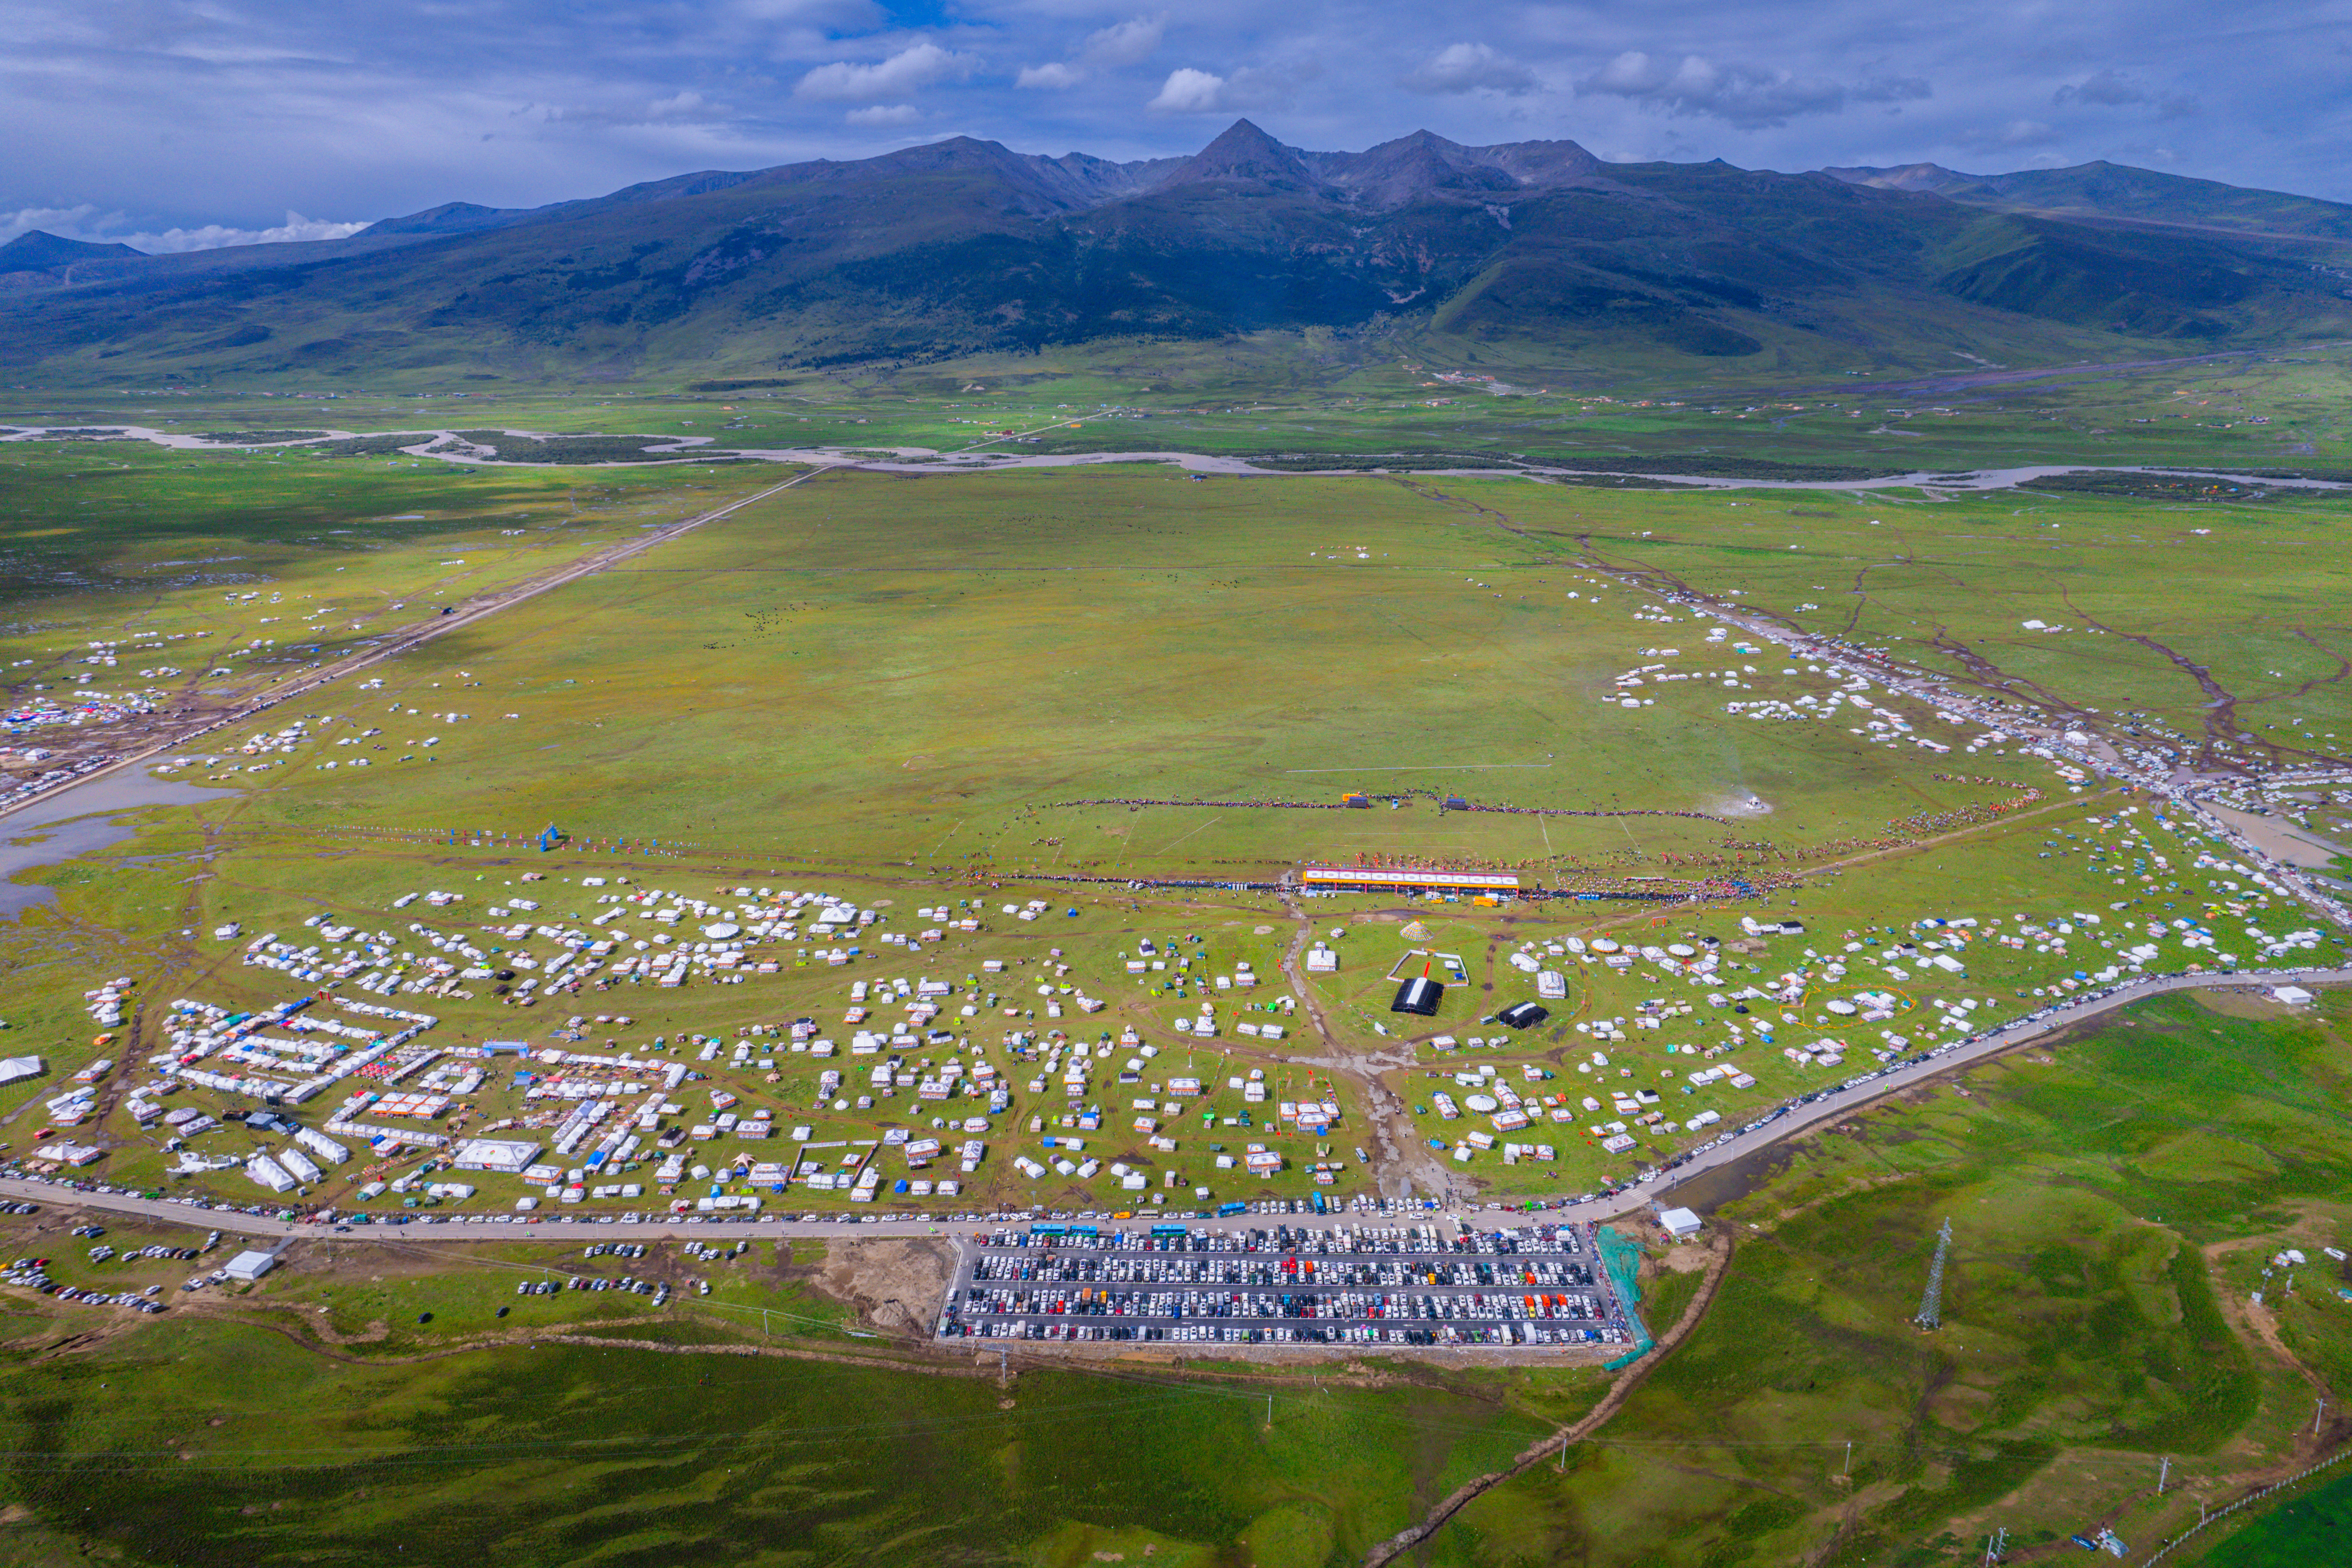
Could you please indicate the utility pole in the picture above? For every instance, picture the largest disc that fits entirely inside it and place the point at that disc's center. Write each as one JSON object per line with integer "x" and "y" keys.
{"x": 2163, "y": 1474}
{"x": 1849, "y": 1459}
{"x": 1996, "y": 1545}
{"x": 2316, "y": 1416}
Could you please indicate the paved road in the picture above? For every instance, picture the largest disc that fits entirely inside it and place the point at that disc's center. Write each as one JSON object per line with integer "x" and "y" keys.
{"x": 1643, "y": 1195}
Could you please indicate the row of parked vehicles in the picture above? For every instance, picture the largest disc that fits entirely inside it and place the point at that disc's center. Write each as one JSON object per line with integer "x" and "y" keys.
{"x": 1442, "y": 1334}
{"x": 1340, "y": 1241}
{"x": 1357, "y": 1305}
{"x": 1059, "y": 1267}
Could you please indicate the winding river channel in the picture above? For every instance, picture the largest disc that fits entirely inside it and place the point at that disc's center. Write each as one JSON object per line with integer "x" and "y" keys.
{"x": 982, "y": 459}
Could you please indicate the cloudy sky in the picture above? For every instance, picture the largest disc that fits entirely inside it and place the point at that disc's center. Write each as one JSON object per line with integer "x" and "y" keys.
{"x": 179, "y": 123}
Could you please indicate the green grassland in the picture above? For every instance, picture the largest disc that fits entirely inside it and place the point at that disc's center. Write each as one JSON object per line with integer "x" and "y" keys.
{"x": 924, "y": 670}
{"x": 240, "y": 568}
{"x": 2086, "y": 1334}
{"x": 1318, "y": 399}
{"x": 1950, "y": 586}
{"x": 202, "y": 1442}
{"x": 896, "y": 688}
{"x": 2094, "y": 1321}
{"x": 2305, "y": 1526}
{"x": 916, "y": 690}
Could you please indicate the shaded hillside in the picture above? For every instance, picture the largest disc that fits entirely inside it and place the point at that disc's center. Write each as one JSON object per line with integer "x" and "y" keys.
{"x": 37, "y": 259}
{"x": 1530, "y": 253}
{"x": 2116, "y": 191}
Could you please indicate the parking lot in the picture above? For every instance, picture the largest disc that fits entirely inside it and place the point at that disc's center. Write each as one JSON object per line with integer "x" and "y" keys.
{"x": 1353, "y": 1284}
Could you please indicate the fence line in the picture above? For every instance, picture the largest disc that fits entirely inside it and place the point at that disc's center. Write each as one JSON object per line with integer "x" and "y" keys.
{"x": 2166, "y": 1549}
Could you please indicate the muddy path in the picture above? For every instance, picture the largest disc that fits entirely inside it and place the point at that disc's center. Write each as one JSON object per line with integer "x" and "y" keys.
{"x": 1398, "y": 1160}
{"x": 2222, "y": 726}
{"x": 1992, "y": 677}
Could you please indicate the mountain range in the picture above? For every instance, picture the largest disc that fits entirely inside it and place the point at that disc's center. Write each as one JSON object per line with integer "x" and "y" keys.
{"x": 1532, "y": 254}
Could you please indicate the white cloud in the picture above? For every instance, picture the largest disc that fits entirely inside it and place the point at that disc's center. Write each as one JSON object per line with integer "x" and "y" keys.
{"x": 75, "y": 223}
{"x": 1466, "y": 67}
{"x": 917, "y": 66}
{"x": 212, "y": 236}
{"x": 885, "y": 114}
{"x": 1751, "y": 96}
{"x": 1126, "y": 43}
{"x": 685, "y": 106}
{"x": 2108, "y": 88}
{"x": 1189, "y": 92}
{"x": 1054, "y": 74}
{"x": 1248, "y": 89}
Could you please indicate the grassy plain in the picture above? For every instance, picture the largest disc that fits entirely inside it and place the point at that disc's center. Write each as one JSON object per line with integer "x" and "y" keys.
{"x": 894, "y": 689}
{"x": 2093, "y": 1322}
{"x": 206, "y": 1442}
{"x": 257, "y": 563}
{"x": 1294, "y": 396}
{"x": 2089, "y": 1329}
{"x": 923, "y": 670}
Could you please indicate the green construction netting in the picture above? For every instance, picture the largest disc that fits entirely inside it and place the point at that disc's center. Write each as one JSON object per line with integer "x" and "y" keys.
{"x": 1620, "y": 1259}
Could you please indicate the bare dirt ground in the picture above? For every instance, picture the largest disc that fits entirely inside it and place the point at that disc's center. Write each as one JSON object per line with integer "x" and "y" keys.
{"x": 897, "y": 1285}
{"x": 2281, "y": 840}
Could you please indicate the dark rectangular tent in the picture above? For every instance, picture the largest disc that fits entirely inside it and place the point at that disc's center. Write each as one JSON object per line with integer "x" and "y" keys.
{"x": 1419, "y": 995}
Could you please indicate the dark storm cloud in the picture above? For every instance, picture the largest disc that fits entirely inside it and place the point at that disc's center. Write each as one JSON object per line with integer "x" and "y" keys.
{"x": 219, "y": 118}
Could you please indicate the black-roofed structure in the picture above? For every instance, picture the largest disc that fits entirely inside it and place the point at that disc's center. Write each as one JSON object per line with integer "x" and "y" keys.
{"x": 1418, "y": 996}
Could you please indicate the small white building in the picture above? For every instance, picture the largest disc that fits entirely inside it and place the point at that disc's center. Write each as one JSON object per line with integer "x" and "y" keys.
{"x": 1680, "y": 1224}
{"x": 509, "y": 1156}
{"x": 249, "y": 1266}
{"x": 2293, "y": 995}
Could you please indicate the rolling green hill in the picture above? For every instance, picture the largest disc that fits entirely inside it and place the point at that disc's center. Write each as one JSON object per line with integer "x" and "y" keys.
{"x": 1531, "y": 254}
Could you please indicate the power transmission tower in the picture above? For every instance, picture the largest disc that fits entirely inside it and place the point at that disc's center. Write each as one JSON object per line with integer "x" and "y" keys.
{"x": 1931, "y": 1304}
{"x": 1997, "y": 1544}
